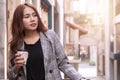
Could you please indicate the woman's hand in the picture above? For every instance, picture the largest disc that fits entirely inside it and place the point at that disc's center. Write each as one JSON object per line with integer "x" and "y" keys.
{"x": 19, "y": 61}
{"x": 84, "y": 78}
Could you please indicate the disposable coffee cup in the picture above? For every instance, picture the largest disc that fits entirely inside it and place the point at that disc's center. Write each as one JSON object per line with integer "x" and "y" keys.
{"x": 24, "y": 55}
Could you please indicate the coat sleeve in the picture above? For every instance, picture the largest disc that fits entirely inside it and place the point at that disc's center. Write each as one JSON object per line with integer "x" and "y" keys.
{"x": 10, "y": 74}
{"x": 62, "y": 60}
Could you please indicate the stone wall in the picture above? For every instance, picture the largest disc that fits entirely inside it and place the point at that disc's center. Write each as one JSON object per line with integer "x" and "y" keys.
{"x": 2, "y": 35}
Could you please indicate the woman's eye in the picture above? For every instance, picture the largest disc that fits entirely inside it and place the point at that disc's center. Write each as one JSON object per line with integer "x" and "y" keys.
{"x": 26, "y": 16}
{"x": 34, "y": 14}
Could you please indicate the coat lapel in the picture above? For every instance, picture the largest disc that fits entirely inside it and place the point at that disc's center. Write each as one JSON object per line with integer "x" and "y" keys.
{"x": 45, "y": 48}
{"x": 44, "y": 44}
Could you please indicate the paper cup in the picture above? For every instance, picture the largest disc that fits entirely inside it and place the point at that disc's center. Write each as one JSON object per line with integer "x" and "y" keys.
{"x": 24, "y": 54}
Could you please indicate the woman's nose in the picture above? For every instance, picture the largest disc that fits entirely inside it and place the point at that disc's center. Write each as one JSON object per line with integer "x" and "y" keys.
{"x": 32, "y": 18}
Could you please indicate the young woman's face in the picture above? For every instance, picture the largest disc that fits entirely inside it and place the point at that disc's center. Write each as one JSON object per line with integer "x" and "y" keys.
{"x": 30, "y": 19}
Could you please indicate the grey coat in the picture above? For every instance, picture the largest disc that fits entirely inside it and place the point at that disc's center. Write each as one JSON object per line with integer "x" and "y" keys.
{"x": 55, "y": 60}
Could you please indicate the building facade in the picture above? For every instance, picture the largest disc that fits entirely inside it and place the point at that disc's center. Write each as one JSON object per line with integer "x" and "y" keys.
{"x": 115, "y": 56}
{"x": 2, "y": 39}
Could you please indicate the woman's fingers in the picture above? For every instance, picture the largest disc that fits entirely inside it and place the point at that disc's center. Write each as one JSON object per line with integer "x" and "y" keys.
{"x": 19, "y": 61}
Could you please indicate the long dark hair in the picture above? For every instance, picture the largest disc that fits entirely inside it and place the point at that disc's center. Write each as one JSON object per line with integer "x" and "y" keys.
{"x": 17, "y": 27}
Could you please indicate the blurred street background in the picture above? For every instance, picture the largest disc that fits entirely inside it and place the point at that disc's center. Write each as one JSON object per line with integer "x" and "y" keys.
{"x": 88, "y": 30}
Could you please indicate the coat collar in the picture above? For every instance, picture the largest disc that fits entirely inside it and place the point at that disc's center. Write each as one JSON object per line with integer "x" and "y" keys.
{"x": 44, "y": 43}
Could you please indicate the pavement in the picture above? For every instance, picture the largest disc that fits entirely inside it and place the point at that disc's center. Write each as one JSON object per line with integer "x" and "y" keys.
{"x": 86, "y": 70}
{"x": 90, "y": 72}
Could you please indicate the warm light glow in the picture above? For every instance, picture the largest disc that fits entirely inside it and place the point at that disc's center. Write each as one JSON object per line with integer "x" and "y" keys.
{"x": 96, "y": 20}
{"x": 75, "y": 6}
{"x": 92, "y": 6}
{"x": 98, "y": 8}
{"x": 83, "y": 6}
{"x": 89, "y": 6}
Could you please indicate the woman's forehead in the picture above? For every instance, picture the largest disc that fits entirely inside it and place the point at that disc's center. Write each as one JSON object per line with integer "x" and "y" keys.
{"x": 28, "y": 10}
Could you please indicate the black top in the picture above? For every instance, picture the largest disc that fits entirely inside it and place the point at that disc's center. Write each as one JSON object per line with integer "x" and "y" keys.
{"x": 35, "y": 62}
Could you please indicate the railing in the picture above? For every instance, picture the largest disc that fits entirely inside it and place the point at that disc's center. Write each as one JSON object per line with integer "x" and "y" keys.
{"x": 115, "y": 56}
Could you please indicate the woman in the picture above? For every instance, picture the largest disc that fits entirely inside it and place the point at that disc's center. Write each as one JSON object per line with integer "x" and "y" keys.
{"x": 46, "y": 55}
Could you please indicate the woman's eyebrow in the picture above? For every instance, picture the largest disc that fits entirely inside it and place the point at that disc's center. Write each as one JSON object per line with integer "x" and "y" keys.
{"x": 30, "y": 13}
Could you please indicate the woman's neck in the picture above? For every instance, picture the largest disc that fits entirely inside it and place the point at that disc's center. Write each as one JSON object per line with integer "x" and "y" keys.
{"x": 31, "y": 37}
{"x": 29, "y": 34}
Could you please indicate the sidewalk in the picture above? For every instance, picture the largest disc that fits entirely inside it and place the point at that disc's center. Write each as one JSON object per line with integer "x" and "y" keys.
{"x": 85, "y": 69}
{"x": 89, "y": 72}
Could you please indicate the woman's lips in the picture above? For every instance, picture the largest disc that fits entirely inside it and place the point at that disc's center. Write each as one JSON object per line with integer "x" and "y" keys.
{"x": 33, "y": 24}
